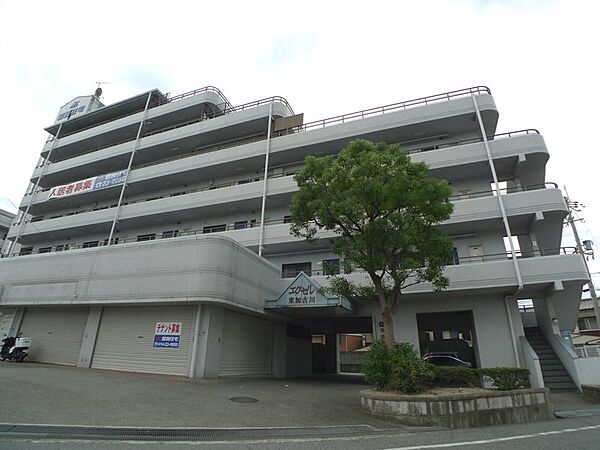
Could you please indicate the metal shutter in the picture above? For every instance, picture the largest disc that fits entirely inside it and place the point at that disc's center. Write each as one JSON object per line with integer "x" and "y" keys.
{"x": 126, "y": 336}
{"x": 56, "y": 333}
{"x": 247, "y": 346}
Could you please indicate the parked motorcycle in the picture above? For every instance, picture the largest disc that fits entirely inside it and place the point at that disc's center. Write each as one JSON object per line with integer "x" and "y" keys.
{"x": 15, "y": 348}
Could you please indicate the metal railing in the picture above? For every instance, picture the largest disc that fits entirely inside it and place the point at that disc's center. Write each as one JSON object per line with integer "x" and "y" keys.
{"x": 227, "y": 109}
{"x": 456, "y": 197}
{"x": 393, "y": 107}
{"x": 498, "y": 136}
{"x": 588, "y": 351}
{"x": 262, "y": 136}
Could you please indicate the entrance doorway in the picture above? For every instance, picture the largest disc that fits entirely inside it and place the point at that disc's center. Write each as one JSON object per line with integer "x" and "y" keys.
{"x": 340, "y": 344}
{"x": 449, "y": 333}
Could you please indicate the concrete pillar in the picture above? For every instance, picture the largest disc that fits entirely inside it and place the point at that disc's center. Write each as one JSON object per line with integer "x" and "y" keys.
{"x": 279, "y": 349}
{"x": 331, "y": 347}
{"x": 209, "y": 335}
{"x": 17, "y": 319}
{"x": 89, "y": 337}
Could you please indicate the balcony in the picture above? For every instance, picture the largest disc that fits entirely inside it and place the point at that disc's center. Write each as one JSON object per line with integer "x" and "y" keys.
{"x": 203, "y": 135}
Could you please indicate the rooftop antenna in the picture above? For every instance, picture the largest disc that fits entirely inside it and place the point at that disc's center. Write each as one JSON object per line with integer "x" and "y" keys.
{"x": 98, "y": 92}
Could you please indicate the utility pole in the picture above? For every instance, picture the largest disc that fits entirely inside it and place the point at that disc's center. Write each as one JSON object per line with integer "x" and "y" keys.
{"x": 580, "y": 249}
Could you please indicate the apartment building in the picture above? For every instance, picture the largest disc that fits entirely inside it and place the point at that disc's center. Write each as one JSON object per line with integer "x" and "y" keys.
{"x": 154, "y": 237}
{"x": 6, "y": 219}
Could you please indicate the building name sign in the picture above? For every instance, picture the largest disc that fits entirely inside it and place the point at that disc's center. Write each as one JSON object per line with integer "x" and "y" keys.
{"x": 89, "y": 184}
{"x": 305, "y": 292}
{"x": 167, "y": 335}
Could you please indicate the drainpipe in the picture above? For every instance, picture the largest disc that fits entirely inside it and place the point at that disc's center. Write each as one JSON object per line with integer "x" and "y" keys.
{"x": 264, "y": 193}
{"x": 135, "y": 147}
{"x": 506, "y": 227}
{"x": 34, "y": 191}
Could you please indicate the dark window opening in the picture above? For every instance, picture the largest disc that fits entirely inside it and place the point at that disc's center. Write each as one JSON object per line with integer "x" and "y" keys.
{"x": 90, "y": 244}
{"x": 170, "y": 234}
{"x": 214, "y": 228}
{"x": 146, "y": 237}
{"x": 292, "y": 270}
{"x": 331, "y": 267}
{"x": 25, "y": 251}
{"x": 240, "y": 225}
{"x": 287, "y": 219}
{"x": 44, "y": 249}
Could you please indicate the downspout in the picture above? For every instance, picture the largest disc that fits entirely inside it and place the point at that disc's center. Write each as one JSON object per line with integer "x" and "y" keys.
{"x": 264, "y": 193}
{"x": 34, "y": 191}
{"x": 135, "y": 147}
{"x": 506, "y": 227}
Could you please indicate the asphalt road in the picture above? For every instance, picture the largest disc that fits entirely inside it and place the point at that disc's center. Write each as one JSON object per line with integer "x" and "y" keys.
{"x": 572, "y": 433}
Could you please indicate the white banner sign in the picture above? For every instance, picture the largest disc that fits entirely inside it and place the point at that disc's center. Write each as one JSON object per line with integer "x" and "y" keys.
{"x": 89, "y": 184}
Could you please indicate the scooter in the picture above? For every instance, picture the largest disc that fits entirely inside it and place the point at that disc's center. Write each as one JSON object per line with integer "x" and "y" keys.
{"x": 15, "y": 348}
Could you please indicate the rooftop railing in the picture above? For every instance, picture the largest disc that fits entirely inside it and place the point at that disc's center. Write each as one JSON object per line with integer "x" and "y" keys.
{"x": 393, "y": 107}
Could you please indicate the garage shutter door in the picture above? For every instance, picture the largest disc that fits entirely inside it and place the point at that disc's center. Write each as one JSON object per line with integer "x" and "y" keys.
{"x": 247, "y": 346}
{"x": 126, "y": 335}
{"x": 56, "y": 334}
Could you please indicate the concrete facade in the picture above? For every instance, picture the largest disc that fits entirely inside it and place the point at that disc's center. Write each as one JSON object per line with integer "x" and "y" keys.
{"x": 183, "y": 230}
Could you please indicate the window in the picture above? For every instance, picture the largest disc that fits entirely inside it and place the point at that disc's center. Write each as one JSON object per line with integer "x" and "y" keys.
{"x": 114, "y": 241}
{"x": 240, "y": 225}
{"x": 25, "y": 251}
{"x": 90, "y": 244}
{"x": 292, "y": 270}
{"x": 146, "y": 237}
{"x": 44, "y": 249}
{"x": 170, "y": 234}
{"x": 214, "y": 228}
{"x": 61, "y": 247}
{"x": 37, "y": 219}
{"x": 287, "y": 219}
{"x": 252, "y": 223}
{"x": 331, "y": 267}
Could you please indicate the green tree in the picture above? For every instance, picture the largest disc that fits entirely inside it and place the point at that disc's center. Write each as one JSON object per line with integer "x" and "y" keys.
{"x": 384, "y": 207}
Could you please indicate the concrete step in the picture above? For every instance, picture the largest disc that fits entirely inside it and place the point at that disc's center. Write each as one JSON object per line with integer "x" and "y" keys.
{"x": 561, "y": 386}
{"x": 557, "y": 379}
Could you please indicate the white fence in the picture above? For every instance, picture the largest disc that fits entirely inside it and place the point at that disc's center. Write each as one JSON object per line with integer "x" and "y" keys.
{"x": 588, "y": 351}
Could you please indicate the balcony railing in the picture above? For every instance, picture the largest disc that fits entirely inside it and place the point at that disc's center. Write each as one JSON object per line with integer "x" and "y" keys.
{"x": 588, "y": 351}
{"x": 289, "y": 170}
{"x": 380, "y": 110}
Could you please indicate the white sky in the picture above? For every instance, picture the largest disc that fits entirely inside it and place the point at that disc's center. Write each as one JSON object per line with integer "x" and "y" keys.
{"x": 540, "y": 58}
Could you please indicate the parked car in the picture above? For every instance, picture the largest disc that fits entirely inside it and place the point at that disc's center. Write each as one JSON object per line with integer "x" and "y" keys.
{"x": 446, "y": 359}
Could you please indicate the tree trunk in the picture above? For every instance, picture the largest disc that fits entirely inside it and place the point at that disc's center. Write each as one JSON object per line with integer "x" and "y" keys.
{"x": 388, "y": 329}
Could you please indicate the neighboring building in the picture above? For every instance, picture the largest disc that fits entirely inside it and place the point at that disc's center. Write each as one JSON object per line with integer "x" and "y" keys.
{"x": 587, "y": 318}
{"x": 6, "y": 219}
{"x": 141, "y": 231}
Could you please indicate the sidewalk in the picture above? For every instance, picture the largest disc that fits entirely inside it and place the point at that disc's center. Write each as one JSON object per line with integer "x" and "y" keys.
{"x": 47, "y": 394}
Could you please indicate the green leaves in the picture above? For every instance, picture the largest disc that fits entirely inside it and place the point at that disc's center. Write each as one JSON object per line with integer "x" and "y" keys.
{"x": 383, "y": 206}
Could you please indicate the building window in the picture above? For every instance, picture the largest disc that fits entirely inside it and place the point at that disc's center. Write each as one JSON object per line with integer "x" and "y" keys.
{"x": 242, "y": 224}
{"x": 214, "y": 228}
{"x": 292, "y": 270}
{"x": 252, "y": 223}
{"x": 287, "y": 219}
{"x": 25, "y": 251}
{"x": 170, "y": 234}
{"x": 146, "y": 237}
{"x": 331, "y": 267}
{"x": 61, "y": 247}
{"x": 90, "y": 244}
{"x": 114, "y": 241}
{"x": 44, "y": 249}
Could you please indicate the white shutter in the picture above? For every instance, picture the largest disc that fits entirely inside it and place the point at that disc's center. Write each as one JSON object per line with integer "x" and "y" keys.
{"x": 56, "y": 333}
{"x": 247, "y": 346}
{"x": 126, "y": 335}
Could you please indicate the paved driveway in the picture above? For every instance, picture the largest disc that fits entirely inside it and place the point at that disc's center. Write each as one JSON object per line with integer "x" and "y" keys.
{"x": 40, "y": 393}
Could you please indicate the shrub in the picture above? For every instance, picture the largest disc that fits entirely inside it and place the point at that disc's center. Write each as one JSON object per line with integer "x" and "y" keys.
{"x": 408, "y": 373}
{"x": 507, "y": 378}
{"x": 376, "y": 366}
{"x": 450, "y": 376}
{"x": 399, "y": 370}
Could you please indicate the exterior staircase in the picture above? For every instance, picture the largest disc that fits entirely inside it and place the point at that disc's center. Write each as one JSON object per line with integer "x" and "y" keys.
{"x": 554, "y": 373}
